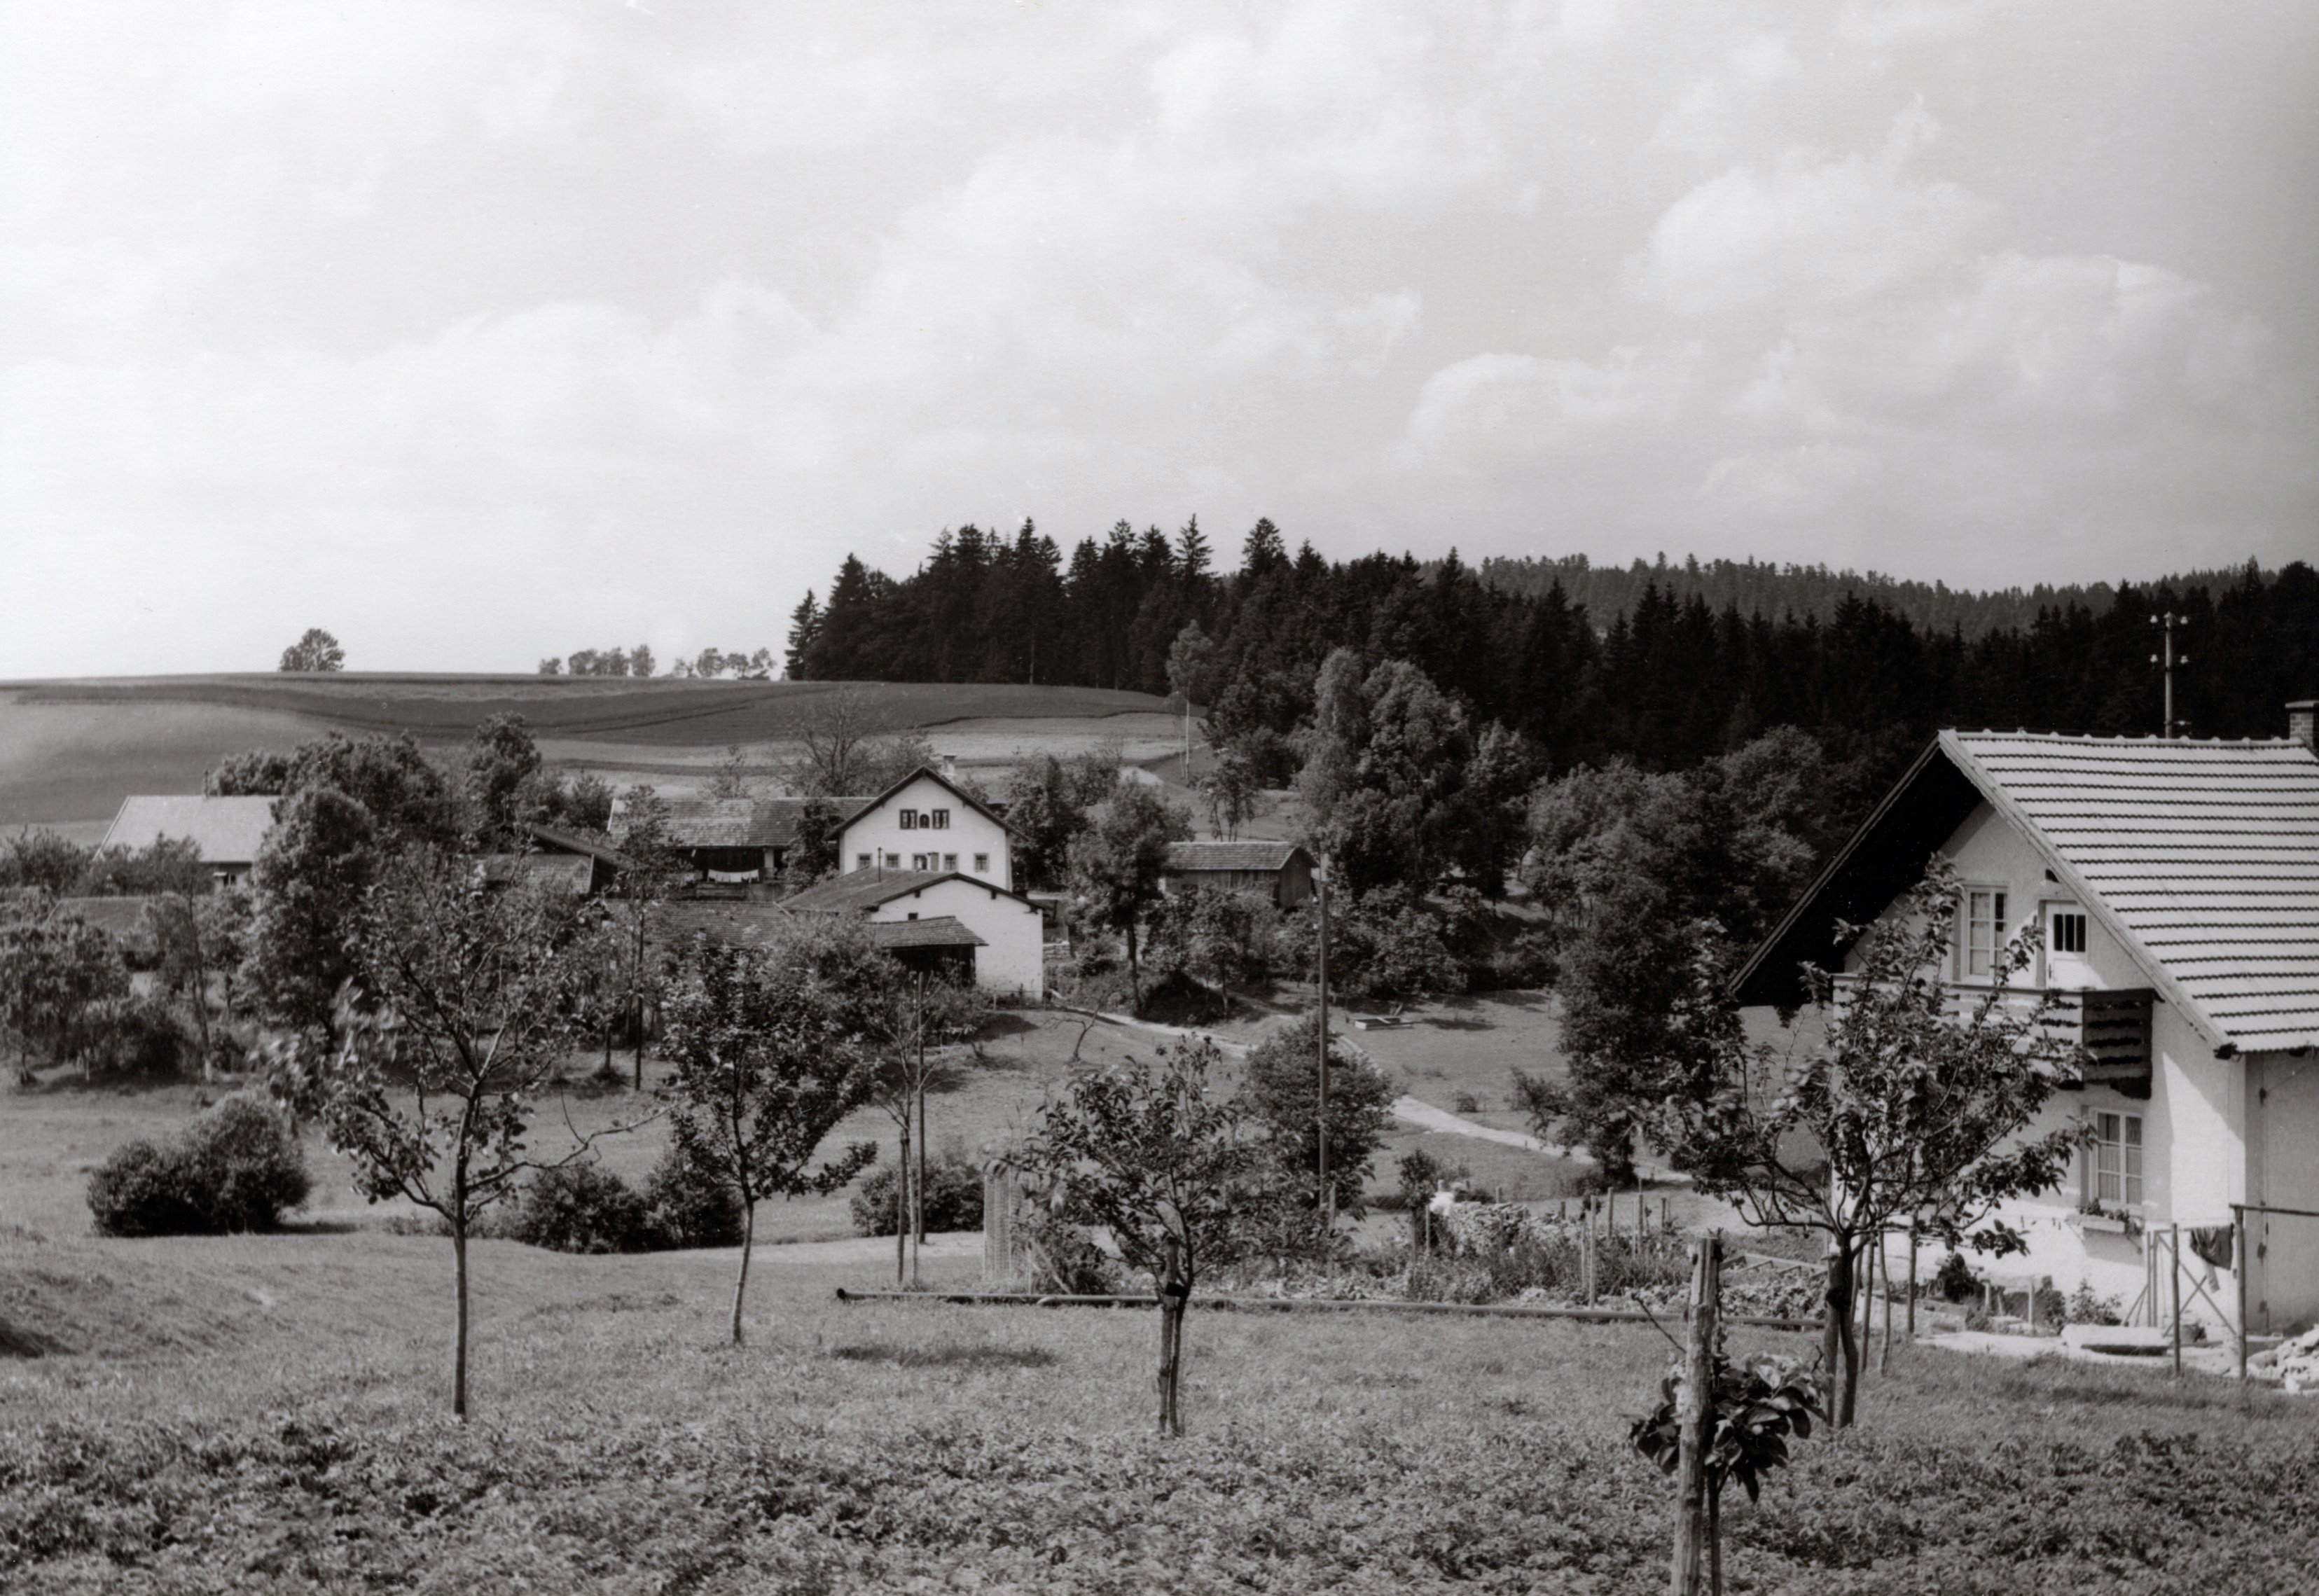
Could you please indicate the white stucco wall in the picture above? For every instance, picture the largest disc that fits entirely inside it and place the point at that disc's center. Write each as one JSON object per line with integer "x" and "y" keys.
{"x": 2283, "y": 1172}
{"x": 2193, "y": 1121}
{"x": 879, "y": 833}
{"x": 1011, "y": 962}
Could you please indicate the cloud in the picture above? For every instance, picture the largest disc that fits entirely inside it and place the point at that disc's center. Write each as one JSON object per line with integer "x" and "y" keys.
{"x": 377, "y": 315}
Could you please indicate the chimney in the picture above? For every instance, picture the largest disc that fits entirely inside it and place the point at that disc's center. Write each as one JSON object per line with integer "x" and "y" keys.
{"x": 2303, "y": 723}
{"x": 950, "y": 762}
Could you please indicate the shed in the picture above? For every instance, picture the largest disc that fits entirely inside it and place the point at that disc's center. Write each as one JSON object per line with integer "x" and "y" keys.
{"x": 1281, "y": 871}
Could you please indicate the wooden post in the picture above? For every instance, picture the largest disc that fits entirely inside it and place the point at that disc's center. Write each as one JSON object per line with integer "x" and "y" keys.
{"x": 1912, "y": 1278}
{"x": 2174, "y": 1271}
{"x": 1664, "y": 1227}
{"x": 1884, "y": 1357}
{"x": 1694, "y": 1413}
{"x": 2245, "y": 1259}
{"x": 1326, "y": 1197}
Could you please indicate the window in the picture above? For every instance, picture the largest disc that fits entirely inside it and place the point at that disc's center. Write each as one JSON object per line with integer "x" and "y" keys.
{"x": 942, "y": 819}
{"x": 982, "y": 864}
{"x": 1984, "y": 930}
{"x": 2069, "y": 930}
{"x": 861, "y": 863}
{"x": 893, "y": 862}
{"x": 2117, "y": 1160}
{"x": 914, "y": 915}
{"x": 909, "y": 819}
{"x": 918, "y": 862}
{"x": 950, "y": 863}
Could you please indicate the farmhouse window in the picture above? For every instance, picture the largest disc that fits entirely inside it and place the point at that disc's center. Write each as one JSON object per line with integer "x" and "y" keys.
{"x": 942, "y": 819}
{"x": 918, "y": 862}
{"x": 909, "y": 819}
{"x": 950, "y": 861}
{"x": 893, "y": 862}
{"x": 2069, "y": 930}
{"x": 2117, "y": 1160}
{"x": 861, "y": 863}
{"x": 1984, "y": 930}
{"x": 982, "y": 864}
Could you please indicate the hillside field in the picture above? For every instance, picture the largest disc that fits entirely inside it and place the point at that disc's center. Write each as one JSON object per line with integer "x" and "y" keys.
{"x": 71, "y": 749}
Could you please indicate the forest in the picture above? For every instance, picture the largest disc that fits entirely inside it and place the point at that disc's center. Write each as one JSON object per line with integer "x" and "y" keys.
{"x": 1662, "y": 681}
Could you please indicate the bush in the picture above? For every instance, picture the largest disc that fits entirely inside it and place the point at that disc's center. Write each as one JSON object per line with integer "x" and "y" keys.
{"x": 236, "y": 1168}
{"x": 1956, "y": 1280}
{"x": 135, "y": 1038}
{"x": 689, "y": 1205}
{"x": 581, "y": 1207}
{"x": 953, "y": 1197}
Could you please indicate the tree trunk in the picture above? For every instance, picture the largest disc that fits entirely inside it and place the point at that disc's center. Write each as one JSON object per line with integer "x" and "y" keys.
{"x": 1174, "y": 1290}
{"x": 1695, "y": 1419}
{"x": 902, "y": 1209}
{"x": 1839, "y": 1353}
{"x": 1134, "y": 971}
{"x": 1715, "y": 1538}
{"x": 459, "y": 1346}
{"x": 741, "y": 1282}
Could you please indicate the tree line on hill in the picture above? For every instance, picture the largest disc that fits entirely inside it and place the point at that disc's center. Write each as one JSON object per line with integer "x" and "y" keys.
{"x": 1677, "y": 670}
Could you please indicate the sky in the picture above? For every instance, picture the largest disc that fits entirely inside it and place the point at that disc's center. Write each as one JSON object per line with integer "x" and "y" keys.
{"x": 480, "y": 332}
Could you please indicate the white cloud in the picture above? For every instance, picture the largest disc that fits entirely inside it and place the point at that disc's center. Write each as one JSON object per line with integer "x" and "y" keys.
{"x": 378, "y": 314}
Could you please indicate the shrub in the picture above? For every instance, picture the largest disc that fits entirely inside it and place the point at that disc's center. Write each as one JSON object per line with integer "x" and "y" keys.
{"x": 582, "y": 1207}
{"x": 135, "y": 1038}
{"x": 1956, "y": 1280}
{"x": 236, "y": 1168}
{"x": 688, "y": 1206}
{"x": 953, "y": 1197}
{"x": 2084, "y": 1307}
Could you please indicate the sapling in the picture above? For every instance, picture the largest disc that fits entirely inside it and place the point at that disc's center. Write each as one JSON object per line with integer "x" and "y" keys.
{"x": 766, "y": 1060}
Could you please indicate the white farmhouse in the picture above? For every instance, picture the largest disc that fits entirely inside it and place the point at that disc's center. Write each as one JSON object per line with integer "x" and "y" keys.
{"x": 938, "y": 919}
{"x": 2176, "y": 887}
{"x": 928, "y": 822}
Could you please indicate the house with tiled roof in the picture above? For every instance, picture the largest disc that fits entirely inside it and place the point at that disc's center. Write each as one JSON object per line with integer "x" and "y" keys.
{"x": 2174, "y": 887}
{"x": 734, "y": 841}
{"x": 227, "y": 831}
{"x": 940, "y": 916}
{"x": 1281, "y": 871}
{"x": 927, "y": 821}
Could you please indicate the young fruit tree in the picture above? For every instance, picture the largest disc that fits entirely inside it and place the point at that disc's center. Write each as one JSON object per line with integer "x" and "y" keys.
{"x": 767, "y": 1061}
{"x": 1913, "y": 1106}
{"x": 1150, "y": 1150}
{"x": 914, "y": 1025}
{"x": 464, "y": 1004}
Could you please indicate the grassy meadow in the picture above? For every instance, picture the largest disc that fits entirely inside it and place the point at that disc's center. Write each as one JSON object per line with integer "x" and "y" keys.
{"x": 271, "y": 1413}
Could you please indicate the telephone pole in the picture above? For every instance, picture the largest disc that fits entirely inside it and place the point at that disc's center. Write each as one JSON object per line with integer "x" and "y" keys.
{"x": 1328, "y": 1194}
{"x": 2166, "y": 658}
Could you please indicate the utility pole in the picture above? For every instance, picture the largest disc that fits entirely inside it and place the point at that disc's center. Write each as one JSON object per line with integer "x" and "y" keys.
{"x": 1328, "y": 1193}
{"x": 2169, "y": 623}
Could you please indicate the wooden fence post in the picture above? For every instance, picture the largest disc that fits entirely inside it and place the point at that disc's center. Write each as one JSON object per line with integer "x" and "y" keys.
{"x": 2174, "y": 1272}
{"x": 2245, "y": 1259}
{"x": 1694, "y": 1414}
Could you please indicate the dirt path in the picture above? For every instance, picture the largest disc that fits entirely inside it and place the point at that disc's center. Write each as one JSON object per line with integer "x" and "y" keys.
{"x": 1416, "y": 1111}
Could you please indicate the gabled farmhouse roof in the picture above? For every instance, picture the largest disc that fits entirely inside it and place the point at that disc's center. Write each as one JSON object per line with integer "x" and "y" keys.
{"x": 862, "y": 890}
{"x": 941, "y": 931}
{"x": 1259, "y": 855}
{"x": 554, "y": 872}
{"x": 737, "y": 823}
{"x": 2201, "y": 858}
{"x": 227, "y": 830}
{"x": 939, "y": 780}
{"x": 554, "y": 839}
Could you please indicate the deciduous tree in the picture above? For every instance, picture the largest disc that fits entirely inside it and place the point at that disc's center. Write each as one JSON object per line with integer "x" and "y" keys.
{"x": 467, "y": 1001}
{"x": 1151, "y": 1151}
{"x": 1913, "y": 1108}
{"x": 316, "y": 651}
{"x": 1117, "y": 862}
{"x": 765, "y": 1065}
